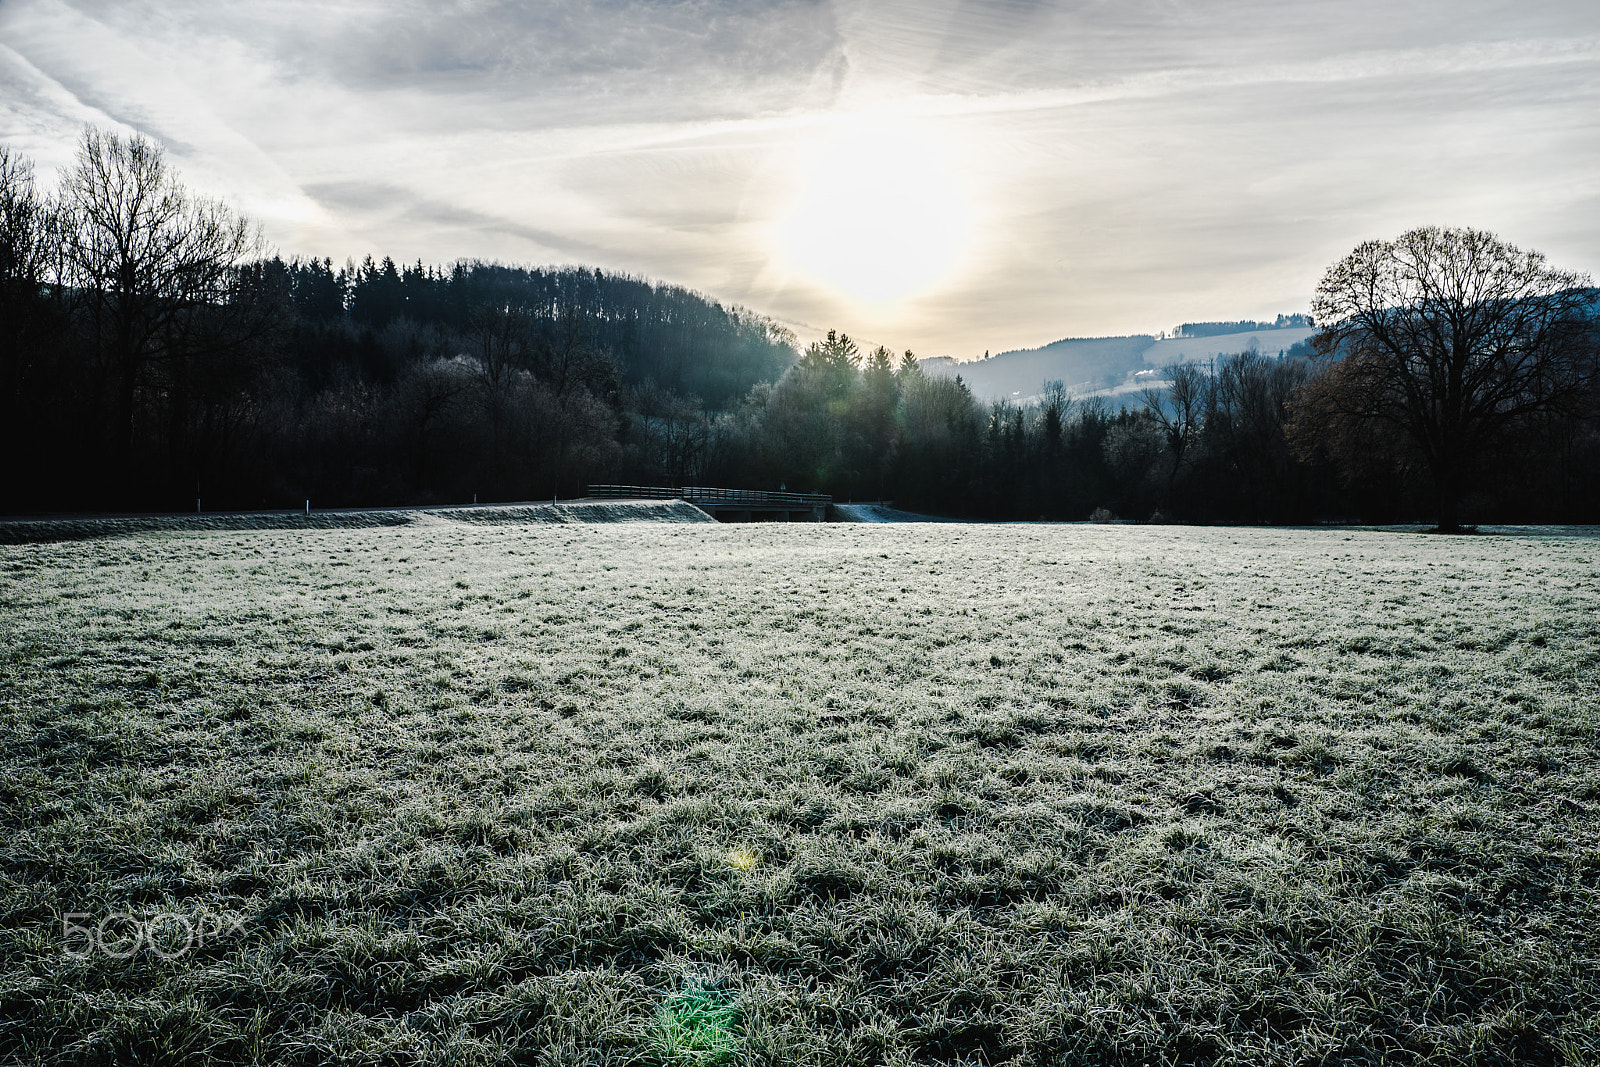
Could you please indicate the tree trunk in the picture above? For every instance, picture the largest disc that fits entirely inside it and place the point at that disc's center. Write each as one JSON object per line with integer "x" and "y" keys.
{"x": 1448, "y": 484}
{"x": 122, "y": 441}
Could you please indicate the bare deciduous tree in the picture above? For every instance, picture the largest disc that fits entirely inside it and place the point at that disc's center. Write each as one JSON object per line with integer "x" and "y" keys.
{"x": 499, "y": 339}
{"x": 573, "y": 356}
{"x": 26, "y": 244}
{"x": 1177, "y": 410}
{"x": 27, "y": 248}
{"x": 1452, "y": 335}
{"x": 142, "y": 253}
{"x": 674, "y": 432}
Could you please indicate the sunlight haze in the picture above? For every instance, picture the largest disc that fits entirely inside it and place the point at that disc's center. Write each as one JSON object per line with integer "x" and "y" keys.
{"x": 951, "y": 177}
{"x": 882, "y": 215}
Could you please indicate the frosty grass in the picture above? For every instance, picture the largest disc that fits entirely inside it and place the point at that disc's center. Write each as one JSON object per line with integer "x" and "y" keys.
{"x": 836, "y": 794}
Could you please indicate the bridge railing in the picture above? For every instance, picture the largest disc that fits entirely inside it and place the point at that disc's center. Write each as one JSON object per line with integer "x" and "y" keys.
{"x": 633, "y": 492}
{"x": 695, "y": 494}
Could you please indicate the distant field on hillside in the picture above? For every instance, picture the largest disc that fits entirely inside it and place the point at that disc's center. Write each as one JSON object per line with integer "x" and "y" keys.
{"x": 1100, "y": 365}
{"x": 1199, "y": 349}
{"x": 789, "y": 793}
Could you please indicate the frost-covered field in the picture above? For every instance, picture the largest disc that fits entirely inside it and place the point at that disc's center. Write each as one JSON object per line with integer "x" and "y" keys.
{"x": 800, "y": 794}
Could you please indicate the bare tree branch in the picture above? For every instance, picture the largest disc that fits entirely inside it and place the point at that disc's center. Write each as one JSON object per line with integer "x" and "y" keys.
{"x": 1453, "y": 335}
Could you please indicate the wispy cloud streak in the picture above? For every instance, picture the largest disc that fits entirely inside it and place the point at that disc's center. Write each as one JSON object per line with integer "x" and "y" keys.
{"x": 1128, "y": 165}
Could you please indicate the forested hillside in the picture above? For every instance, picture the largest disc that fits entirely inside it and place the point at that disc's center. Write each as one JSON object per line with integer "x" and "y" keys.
{"x": 151, "y": 358}
{"x": 665, "y": 335}
{"x": 154, "y": 356}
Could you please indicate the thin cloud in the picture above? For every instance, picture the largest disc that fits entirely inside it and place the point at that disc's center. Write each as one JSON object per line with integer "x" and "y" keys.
{"x": 1131, "y": 164}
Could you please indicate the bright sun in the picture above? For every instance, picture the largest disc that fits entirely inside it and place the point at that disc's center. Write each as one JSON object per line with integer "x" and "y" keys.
{"x": 882, "y": 215}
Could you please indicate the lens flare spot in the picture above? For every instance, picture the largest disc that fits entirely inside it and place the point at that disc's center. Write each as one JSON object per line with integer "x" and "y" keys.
{"x": 698, "y": 1026}
{"x": 743, "y": 859}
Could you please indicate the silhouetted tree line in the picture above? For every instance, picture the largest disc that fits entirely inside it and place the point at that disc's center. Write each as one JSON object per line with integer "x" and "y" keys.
{"x": 152, "y": 354}
{"x": 1249, "y": 438}
{"x": 1215, "y": 447}
{"x": 1217, "y": 329}
{"x": 1455, "y": 377}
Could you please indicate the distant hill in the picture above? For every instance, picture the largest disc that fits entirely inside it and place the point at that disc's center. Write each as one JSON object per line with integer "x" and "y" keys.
{"x": 1085, "y": 364}
{"x": 1089, "y": 365}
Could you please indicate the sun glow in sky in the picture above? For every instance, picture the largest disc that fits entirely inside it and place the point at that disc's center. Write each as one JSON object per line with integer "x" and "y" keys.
{"x": 949, "y": 176}
{"x": 882, "y": 215}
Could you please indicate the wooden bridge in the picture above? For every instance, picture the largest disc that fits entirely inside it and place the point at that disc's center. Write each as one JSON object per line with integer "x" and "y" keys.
{"x": 729, "y": 505}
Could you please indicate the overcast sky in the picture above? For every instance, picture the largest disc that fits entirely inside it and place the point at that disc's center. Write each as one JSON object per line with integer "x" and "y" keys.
{"x": 945, "y": 175}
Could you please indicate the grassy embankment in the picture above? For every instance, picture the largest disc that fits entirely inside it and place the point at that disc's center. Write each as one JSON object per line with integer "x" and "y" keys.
{"x": 804, "y": 794}
{"x": 77, "y": 528}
